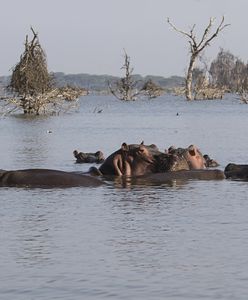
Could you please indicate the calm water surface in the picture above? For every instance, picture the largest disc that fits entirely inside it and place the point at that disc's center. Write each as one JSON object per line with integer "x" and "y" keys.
{"x": 184, "y": 240}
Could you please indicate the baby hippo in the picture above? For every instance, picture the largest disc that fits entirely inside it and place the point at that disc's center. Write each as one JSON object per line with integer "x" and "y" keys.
{"x": 82, "y": 157}
{"x": 209, "y": 162}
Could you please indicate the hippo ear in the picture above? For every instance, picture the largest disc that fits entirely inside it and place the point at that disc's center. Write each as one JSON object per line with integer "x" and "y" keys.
{"x": 124, "y": 147}
{"x": 171, "y": 149}
{"x": 142, "y": 143}
{"x": 192, "y": 150}
{"x": 141, "y": 148}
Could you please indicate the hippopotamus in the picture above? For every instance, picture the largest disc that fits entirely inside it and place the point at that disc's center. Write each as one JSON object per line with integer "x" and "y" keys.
{"x": 209, "y": 162}
{"x": 189, "y": 158}
{"x": 236, "y": 171}
{"x": 136, "y": 160}
{"x": 47, "y": 178}
{"x": 82, "y": 157}
{"x": 116, "y": 163}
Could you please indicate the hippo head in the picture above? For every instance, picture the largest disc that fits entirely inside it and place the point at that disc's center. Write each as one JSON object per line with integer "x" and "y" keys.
{"x": 99, "y": 156}
{"x": 187, "y": 158}
{"x": 145, "y": 159}
{"x": 141, "y": 152}
{"x": 117, "y": 163}
{"x": 179, "y": 158}
{"x": 75, "y": 153}
{"x": 195, "y": 158}
{"x": 140, "y": 159}
{"x": 133, "y": 160}
{"x": 209, "y": 162}
{"x": 169, "y": 162}
{"x": 236, "y": 171}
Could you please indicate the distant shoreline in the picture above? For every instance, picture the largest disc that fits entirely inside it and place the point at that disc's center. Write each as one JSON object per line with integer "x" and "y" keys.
{"x": 101, "y": 82}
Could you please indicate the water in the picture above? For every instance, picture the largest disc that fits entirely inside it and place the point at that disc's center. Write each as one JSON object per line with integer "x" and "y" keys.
{"x": 174, "y": 241}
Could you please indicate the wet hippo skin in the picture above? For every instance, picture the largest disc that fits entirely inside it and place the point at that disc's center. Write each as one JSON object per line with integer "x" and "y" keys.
{"x": 46, "y": 178}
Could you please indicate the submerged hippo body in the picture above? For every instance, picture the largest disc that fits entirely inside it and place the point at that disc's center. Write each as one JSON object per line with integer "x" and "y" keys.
{"x": 46, "y": 178}
{"x": 236, "y": 171}
{"x": 82, "y": 157}
{"x": 186, "y": 175}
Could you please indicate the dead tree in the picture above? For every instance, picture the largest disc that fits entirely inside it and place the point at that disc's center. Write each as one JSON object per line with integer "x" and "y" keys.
{"x": 125, "y": 88}
{"x": 151, "y": 89}
{"x": 196, "y": 47}
{"x": 32, "y": 85}
{"x": 30, "y": 76}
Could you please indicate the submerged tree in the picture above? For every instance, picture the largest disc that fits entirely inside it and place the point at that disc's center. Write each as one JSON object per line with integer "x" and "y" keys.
{"x": 221, "y": 68}
{"x": 32, "y": 84}
{"x": 196, "y": 48}
{"x": 125, "y": 88}
{"x": 229, "y": 71}
{"x": 151, "y": 89}
{"x": 30, "y": 76}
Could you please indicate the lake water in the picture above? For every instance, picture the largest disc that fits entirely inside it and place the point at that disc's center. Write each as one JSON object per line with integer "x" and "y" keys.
{"x": 178, "y": 241}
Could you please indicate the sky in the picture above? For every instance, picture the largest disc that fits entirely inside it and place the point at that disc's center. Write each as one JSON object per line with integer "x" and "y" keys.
{"x": 88, "y": 36}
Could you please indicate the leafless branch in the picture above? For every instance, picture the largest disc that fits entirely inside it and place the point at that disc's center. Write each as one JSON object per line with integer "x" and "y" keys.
{"x": 197, "y": 47}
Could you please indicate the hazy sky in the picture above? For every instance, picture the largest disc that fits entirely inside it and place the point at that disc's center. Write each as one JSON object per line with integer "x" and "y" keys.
{"x": 88, "y": 36}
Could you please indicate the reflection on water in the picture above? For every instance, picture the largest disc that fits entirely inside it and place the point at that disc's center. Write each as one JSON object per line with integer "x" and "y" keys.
{"x": 142, "y": 182}
{"x": 34, "y": 240}
{"x": 130, "y": 239}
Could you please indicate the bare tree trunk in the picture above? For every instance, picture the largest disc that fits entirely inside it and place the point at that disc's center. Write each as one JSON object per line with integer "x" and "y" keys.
{"x": 196, "y": 47}
{"x": 189, "y": 78}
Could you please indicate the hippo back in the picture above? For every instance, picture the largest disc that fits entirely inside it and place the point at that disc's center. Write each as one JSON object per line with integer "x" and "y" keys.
{"x": 47, "y": 178}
